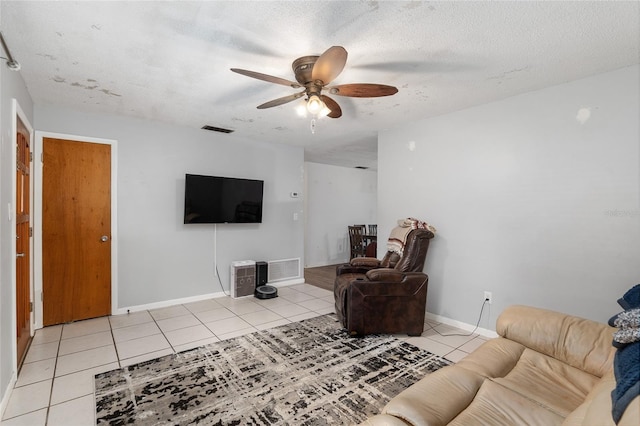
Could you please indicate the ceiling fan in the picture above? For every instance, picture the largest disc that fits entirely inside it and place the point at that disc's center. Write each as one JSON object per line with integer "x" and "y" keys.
{"x": 314, "y": 73}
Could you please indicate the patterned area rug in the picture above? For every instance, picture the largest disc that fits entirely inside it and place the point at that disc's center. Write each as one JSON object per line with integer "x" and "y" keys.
{"x": 305, "y": 373}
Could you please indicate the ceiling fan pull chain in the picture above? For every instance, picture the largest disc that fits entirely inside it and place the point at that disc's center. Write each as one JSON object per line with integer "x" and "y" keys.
{"x": 313, "y": 126}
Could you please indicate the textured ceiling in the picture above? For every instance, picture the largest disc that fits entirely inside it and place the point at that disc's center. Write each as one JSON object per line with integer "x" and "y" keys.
{"x": 170, "y": 61}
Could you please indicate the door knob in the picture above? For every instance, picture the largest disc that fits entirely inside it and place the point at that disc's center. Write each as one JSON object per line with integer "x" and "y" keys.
{"x": 104, "y": 238}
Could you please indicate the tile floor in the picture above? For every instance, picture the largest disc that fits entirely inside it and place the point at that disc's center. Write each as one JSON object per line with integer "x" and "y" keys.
{"x": 55, "y": 385}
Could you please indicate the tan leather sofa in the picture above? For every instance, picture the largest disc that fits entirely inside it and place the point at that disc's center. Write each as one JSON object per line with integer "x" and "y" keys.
{"x": 546, "y": 368}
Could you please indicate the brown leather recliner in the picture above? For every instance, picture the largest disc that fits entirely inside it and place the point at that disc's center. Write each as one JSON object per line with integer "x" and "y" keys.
{"x": 387, "y": 296}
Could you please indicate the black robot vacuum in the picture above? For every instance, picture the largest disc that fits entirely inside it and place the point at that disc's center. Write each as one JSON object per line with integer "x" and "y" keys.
{"x": 263, "y": 291}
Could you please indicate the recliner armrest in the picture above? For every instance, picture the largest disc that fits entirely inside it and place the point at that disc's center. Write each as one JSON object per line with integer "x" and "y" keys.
{"x": 369, "y": 262}
{"x": 348, "y": 269}
{"x": 385, "y": 274}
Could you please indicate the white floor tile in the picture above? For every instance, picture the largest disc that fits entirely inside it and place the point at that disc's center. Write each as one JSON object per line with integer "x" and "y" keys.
{"x": 227, "y": 325}
{"x": 42, "y": 351}
{"x": 276, "y": 301}
{"x": 331, "y": 298}
{"x": 229, "y": 301}
{"x": 81, "y": 328}
{"x": 306, "y": 315}
{"x": 245, "y": 308}
{"x": 36, "y": 418}
{"x": 86, "y": 359}
{"x": 27, "y": 399}
{"x": 47, "y": 335}
{"x": 202, "y": 305}
{"x": 177, "y": 323}
{"x": 189, "y": 334}
{"x": 313, "y": 291}
{"x": 145, "y": 357}
{"x": 289, "y": 310}
{"x": 473, "y": 344}
{"x": 75, "y": 385}
{"x": 456, "y": 355}
{"x": 82, "y": 343}
{"x": 77, "y": 412}
{"x": 141, "y": 346}
{"x": 273, "y": 324}
{"x": 135, "y": 331}
{"x": 214, "y": 315}
{"x": 126, "y": 320}
{"x": 449, "y": 336}
{"x": 237, "y": 333}
{"x": 87, "y": 348}
{"x": 326, "y": 310}
{"x": 432, "y": 346}
{"x": 294, "y": 295}
{"x": 169, "y": 312}
{"x": 317, "y": 304}
{"x": 195, "y": 344}
{"x": 261, "y": 317}
{"x": 36, "y": 372}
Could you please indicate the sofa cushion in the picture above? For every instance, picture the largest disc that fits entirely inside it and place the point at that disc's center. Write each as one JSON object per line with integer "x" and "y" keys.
{"x": 497, "y": 405}
{"x": 579, "y": 342}
{"x": 553, "y": 384}
{"x": 596, "y": 408}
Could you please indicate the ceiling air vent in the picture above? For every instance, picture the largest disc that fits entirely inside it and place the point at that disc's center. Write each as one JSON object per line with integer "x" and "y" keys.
{"x": 217, "y": 129}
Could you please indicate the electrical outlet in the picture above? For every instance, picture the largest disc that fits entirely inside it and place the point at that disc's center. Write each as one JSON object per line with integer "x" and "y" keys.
{"x": 487, "y": 297}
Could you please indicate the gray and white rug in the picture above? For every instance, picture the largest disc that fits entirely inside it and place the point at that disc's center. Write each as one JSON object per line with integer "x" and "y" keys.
{"x": 306, "y": 373}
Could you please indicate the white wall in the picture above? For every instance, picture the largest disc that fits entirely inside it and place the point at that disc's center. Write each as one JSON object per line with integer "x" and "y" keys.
{"x": 532, "y": 200}
{"x": 336, "y": 197}
{"x": 11, "y": 87}
{"x": 160, "y": 258}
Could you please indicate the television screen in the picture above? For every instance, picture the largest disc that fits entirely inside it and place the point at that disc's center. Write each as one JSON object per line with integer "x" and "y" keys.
{"x": 214, "y": 199}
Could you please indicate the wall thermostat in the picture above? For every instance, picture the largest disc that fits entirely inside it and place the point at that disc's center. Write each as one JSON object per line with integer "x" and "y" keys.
{"x": 295, "y": 194}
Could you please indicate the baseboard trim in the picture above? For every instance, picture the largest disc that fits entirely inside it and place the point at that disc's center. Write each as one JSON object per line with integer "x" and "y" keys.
{"x": 462, "y": 325}
{"x": 287, "y": 283}
{"x": 167, "y": 303}
{"x": 7, "y": 394}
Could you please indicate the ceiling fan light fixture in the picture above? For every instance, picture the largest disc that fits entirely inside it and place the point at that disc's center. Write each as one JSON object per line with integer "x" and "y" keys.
{"x": 315, "y": 104}
{"x": 301, "y": 109}
{"x": 324, "y": 111}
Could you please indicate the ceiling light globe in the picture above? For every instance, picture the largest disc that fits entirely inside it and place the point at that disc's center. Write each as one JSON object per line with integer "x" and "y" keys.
{"x": 315, "y": 104}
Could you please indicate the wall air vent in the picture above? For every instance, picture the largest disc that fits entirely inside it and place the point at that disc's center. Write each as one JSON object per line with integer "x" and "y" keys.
{"x": 217, "y": 129}
{"x": 285, "y": 269}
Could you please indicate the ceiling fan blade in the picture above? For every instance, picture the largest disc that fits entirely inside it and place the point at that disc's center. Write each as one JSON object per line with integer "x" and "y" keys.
{"x": 363, "y": 90}
{"x": 329, "y": 65}
{"x": 281, "y": 101}
{"x": 336, "y": 112}
{"x": 266, "y": 77}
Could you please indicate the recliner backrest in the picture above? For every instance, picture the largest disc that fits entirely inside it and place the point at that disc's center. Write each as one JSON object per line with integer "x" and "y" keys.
{"x": 414, "y": 253}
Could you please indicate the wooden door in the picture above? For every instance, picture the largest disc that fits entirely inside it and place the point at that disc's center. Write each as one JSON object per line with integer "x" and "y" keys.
{"x": 23, "y": 234}
{"x": 76, "y": 230}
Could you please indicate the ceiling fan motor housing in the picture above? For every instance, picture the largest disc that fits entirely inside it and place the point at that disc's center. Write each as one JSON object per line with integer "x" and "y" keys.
{"x": 303, "y": 67}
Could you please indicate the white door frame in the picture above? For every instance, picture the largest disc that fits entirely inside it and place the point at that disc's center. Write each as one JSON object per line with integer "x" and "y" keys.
{"x": 37, "y": 217}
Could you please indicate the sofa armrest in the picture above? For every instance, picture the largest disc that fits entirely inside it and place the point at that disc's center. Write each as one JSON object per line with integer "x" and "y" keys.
{"x": 436, "y": 399}
{"x": 581, "y": 343}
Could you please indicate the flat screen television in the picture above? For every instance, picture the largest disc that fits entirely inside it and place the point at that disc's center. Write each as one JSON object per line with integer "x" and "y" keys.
{"x": 215, "y": 199}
